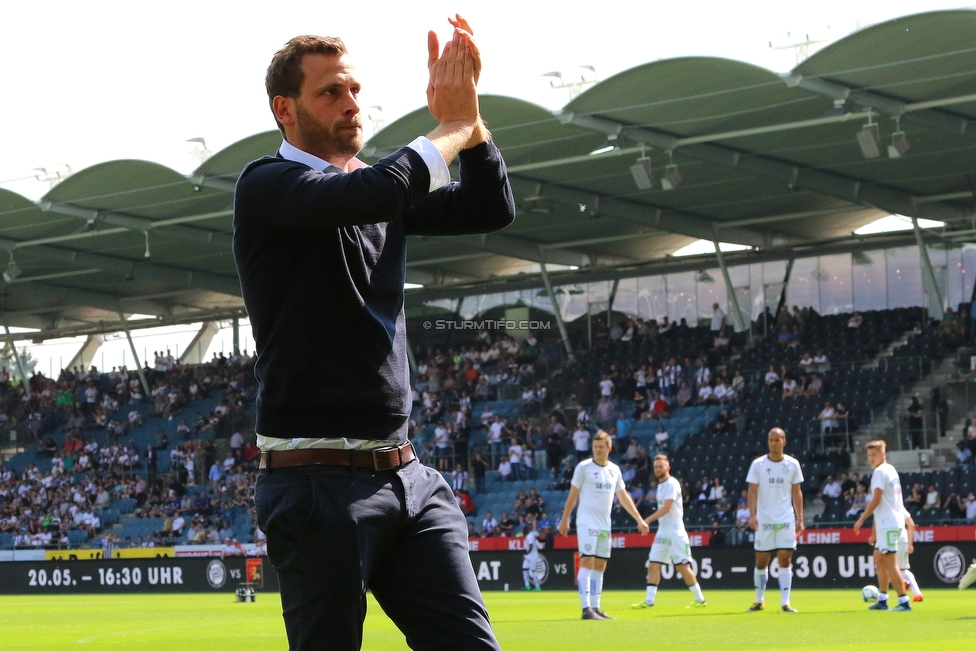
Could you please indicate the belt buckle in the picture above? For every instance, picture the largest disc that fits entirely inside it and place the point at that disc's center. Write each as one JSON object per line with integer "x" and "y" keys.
{"x": 376, "y": 464}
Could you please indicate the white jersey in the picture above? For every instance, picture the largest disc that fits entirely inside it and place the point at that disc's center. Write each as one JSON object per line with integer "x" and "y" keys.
{"x": 581, "y": 440}
{"x": 775, "y": 481}
{"x": 531, "y": 543}
{"x": 672, "y": 521}
{"x": 597, "y": 485}
{"x": 890, "y": 513}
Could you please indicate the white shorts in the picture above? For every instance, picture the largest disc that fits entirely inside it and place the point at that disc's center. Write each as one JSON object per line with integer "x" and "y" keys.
{"x": 530, "y": 561}
{"x": 593, "y": 542}
{"x": 771, "y": 537}
{"x": 888, "y": 540}
{"x": 902, "y": 558}
{"x": 671, "y": 547}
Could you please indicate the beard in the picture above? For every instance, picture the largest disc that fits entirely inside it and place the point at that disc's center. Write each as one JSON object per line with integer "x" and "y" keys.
{"x": 327, "y": 139}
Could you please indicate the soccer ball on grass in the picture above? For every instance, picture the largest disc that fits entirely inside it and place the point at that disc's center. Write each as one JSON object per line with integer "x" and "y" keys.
{"x": 869, "y": 593}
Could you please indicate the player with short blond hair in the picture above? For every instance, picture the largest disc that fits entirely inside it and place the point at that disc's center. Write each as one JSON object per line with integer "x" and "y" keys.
{"x": 594, "y": 484}
{"x": 889, "y": 524}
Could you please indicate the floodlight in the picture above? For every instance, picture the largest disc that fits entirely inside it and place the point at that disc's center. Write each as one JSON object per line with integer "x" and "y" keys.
{"x": 869, "y": 139}
{"x": 899, "y": 141}
{"x": 608, "y": 146}
{"x": 557, "y": 78}
{"x": 641, "y": 171}
{"x": 899, "y": 145}
{"x": 672, "y": 177}
{"x": 840, "y": 107}
{"x": 12, "y": 271}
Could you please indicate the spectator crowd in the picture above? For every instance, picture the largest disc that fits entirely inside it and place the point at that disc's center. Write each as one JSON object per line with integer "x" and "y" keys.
{"x": 83, "y": 425}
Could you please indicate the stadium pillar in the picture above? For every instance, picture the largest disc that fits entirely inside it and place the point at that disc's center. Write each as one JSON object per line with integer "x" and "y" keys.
{"x": 931, "y": 286}
{"x": 589, "y": 326}
{"x": 86, "y": 355}
{"x": 555, "y": 309}
{"x": 450, "y": 333}
{"x": 786, "y": 283}
{"x": 735, "y": 313}
{"x": 135, "y": 355}
{"x": 194, "y": 353}
{"x": 613, "y": 295}
{"x": 236, "y": 325}
{"x": 20, "y": 362}
{"x": 410, "y": 358}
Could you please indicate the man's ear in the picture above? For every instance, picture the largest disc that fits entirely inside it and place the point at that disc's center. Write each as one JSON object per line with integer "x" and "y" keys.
{"x": 285, "y": 109}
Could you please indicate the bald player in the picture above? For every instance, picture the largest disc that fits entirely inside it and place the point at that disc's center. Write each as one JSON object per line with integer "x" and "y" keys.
{"x": 776, "y": 515}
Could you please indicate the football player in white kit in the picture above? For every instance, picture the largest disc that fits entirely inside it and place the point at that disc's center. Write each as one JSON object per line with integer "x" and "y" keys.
{"x": 671, "y": 544}
{"x": 969, "y": 577}
{"x": 776, "y": 515}
{"x": 530, "y": 562}
{"x": 889, "y": 524}
{"x": 906, "y": 547}
{"x": 595, "y": 482}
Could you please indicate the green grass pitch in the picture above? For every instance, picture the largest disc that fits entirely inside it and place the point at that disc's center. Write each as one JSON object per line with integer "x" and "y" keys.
{"x": 834, "y": 619}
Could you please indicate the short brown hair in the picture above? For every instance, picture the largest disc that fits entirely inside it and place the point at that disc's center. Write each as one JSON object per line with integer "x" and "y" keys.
{"x": 876, "y": 445}
{"x": 285, "y": 75}
{"x": 603, "y": 436}
{"x": 662, "y": 457}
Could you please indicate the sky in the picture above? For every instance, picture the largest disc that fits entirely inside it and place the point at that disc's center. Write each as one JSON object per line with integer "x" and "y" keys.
{"x": 99, "y": 80}
{"x": 87, "y": 82}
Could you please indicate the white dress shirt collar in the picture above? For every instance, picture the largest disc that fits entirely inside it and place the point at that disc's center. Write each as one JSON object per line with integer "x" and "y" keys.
{"x": 440, "y": 174}
{"x": 290, "y": 152}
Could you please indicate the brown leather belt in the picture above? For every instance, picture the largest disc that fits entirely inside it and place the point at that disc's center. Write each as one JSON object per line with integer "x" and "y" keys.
{"x": 389, "y": 458}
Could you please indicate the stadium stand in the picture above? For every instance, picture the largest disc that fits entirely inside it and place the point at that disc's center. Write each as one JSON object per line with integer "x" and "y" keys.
{"x": 835, "y": 193}
{"x": 87, "y": 466}
{"x": 850, "y": 354}
{"x": 108, "y": 463}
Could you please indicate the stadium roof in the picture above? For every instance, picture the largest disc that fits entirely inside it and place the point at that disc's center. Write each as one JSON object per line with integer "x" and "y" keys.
{"x": 769, "y": 161}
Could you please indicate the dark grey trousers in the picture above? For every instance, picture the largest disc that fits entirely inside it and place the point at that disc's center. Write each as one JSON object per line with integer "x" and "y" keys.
{"x": 333, "y": 533}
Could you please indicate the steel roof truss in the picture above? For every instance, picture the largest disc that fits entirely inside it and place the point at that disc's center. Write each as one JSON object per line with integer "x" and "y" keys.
{"x": 794, "y": 176}
{"x": 133, "y": 268}
{"x": 141, "y": 224}
{"x": 930, "y": 117}
{"x": 672, "y": 221}
{"x": 522, "y": 249}
{"x": 68, "y": 297}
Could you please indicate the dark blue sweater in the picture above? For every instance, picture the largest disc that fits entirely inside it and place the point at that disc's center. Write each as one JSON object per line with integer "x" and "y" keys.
{"x": 322, "y": 258}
